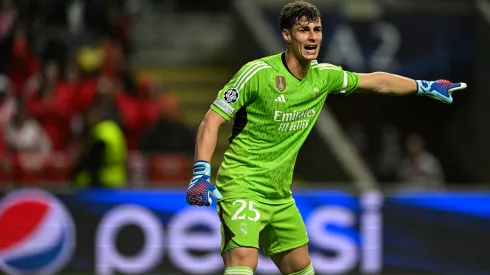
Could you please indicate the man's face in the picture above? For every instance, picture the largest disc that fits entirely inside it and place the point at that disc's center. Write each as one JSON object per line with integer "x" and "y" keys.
{"x": 304, "y": 39}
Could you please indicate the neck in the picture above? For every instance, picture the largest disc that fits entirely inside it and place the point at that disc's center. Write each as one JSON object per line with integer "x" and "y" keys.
{"x": 299, "y": 68}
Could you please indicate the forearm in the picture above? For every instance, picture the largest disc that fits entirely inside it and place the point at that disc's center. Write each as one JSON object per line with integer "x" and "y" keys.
{"x": 207, "y": 137}
{"x": 390, "y": 84}
{"x": 200, "y": 187}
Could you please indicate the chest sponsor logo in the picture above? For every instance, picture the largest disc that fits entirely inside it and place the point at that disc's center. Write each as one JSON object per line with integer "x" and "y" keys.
{"x": 294, "y": 121}
{"x": 281, "y": 83}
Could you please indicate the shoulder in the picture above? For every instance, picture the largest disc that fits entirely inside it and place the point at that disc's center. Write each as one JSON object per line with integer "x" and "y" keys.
{"x": 251, "y": 72}
{"x": 326, "y": 74}
{"x": 324, "y": 67}
{"x": 264, "y": 64}
{"x": 255, "y": 66}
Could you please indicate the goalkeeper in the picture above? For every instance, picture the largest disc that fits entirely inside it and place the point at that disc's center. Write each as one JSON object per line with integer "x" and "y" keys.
{"x": 275, "y": 102}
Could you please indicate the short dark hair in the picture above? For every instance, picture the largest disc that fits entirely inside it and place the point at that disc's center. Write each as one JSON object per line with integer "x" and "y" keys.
{"x": 294, "y": 11}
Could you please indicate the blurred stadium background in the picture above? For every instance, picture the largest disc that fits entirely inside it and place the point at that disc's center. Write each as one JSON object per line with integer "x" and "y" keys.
{"x": 385, "y": 185}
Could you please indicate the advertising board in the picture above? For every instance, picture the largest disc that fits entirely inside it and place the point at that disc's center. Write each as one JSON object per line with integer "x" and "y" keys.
{"x": 146, "y": 232}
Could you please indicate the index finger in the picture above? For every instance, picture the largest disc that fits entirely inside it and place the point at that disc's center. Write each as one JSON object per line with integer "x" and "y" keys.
{"x": 458, "y": 86}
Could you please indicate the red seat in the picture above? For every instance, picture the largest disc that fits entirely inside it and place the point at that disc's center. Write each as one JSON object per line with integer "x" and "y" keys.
{"x": 59, "y": 167}
{"x": 170, "y": 169}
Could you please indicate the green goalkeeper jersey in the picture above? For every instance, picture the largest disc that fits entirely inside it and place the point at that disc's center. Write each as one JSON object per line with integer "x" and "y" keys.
{"x": 273, "y": 114}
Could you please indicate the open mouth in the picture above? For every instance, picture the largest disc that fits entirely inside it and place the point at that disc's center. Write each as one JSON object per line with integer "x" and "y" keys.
{"x": 310, "y": 49}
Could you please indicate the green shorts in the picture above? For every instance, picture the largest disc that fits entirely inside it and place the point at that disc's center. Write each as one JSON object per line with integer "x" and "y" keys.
{"x": 271, "y": 228}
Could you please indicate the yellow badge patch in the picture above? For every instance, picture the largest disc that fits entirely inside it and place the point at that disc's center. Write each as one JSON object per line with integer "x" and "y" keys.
{"x": 281, "y": 83}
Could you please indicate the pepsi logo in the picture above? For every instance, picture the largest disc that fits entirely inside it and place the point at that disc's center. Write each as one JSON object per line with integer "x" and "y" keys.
{"x": 37, "y": 233}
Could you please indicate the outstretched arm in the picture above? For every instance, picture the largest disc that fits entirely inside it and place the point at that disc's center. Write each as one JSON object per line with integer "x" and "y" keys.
{"x": 391, "y": 84}
{"x": 386, "y": 84}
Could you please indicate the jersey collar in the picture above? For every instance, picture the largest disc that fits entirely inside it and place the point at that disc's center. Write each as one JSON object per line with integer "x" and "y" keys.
{"x": 285, "y": 66}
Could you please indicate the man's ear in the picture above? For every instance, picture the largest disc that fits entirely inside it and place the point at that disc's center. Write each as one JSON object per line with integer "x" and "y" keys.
{"x": 286, "y": 35}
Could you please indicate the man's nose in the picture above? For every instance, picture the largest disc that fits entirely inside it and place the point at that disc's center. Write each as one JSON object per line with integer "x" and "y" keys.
{"x": 312, "y": 36}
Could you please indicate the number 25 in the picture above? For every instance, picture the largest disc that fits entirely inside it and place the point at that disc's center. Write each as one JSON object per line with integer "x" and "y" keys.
{"x": 242, "y": 207}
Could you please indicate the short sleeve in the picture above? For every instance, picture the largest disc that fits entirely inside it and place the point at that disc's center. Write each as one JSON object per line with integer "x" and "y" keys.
{"x": 240, "y": 90}
{"x": 338, "y": 81}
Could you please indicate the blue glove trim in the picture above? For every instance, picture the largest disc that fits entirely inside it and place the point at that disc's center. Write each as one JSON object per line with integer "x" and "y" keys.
{"x": 423, "y": 87}
{"x": 201, "y": 167}
{"x": 199, "y": 191}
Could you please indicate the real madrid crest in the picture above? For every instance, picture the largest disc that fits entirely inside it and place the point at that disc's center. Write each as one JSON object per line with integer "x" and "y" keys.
{"x": 281, "y": 83}
{"x": 243, "y": 229}
{"x": 315, "y": 92}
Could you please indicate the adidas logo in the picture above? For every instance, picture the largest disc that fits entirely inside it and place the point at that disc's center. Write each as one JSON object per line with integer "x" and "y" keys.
{"x": 280, "y": 99}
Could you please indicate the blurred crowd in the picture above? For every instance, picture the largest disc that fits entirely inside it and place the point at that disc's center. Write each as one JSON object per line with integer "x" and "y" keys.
{"x": 72, "y": 108}
{"x": 397, "y": 161}
{"x": 64, "y": 67}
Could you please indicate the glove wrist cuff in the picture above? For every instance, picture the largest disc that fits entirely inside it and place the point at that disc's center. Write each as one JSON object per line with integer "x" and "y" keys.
{"x": 419, "y": 91}
{"x": 202, "y": 167}
{"x": 423, "y": 87}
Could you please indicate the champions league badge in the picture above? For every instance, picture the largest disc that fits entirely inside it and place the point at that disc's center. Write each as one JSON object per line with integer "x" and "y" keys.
{"x": 231, "y": 96}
